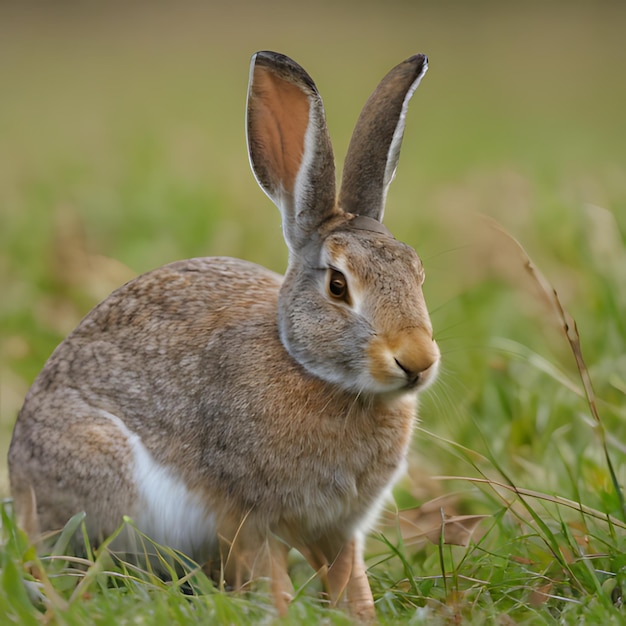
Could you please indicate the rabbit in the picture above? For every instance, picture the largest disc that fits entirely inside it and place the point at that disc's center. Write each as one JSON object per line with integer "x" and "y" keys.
{"x": 233, "y": 413}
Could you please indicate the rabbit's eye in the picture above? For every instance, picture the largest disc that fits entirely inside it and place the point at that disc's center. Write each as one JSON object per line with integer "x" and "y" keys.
{"x": 337, "y": 285}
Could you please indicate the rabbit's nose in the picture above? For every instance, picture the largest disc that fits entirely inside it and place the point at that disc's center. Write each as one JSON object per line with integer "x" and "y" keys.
{"x": 417, "y": 356}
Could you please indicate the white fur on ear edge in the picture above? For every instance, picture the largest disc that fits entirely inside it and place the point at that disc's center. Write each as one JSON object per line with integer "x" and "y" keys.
{"x": 393, "y": 153}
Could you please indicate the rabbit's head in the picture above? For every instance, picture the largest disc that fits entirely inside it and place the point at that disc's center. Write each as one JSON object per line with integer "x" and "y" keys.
{"x": 351, "y": 308}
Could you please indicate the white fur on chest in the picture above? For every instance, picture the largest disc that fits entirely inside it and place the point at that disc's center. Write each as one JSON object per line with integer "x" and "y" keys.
{"x": 166, "y": 510}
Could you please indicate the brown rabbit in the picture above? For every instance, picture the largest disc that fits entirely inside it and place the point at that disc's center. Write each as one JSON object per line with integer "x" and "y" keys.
{"x": 231, "y": 412}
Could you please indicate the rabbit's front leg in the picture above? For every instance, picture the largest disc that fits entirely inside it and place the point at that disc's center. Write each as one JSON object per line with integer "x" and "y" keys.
{"x": 347, "y": 581}
{"x": 250, "y": 553}
{"x": 341, "y": 568}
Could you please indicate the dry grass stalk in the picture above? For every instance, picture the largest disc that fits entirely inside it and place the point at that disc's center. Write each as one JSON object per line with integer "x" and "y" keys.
{"x": 568, "y": 324}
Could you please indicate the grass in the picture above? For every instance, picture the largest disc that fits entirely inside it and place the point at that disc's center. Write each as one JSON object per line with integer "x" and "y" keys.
{"x": 122, "y": 149}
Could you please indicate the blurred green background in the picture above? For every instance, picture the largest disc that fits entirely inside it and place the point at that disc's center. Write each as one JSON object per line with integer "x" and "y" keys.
{"x": 122, "y": 148}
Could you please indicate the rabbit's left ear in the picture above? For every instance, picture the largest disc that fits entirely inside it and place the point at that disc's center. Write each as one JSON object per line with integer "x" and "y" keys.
{"x": 375, "y": 145}
{"x": 288, "y": 143}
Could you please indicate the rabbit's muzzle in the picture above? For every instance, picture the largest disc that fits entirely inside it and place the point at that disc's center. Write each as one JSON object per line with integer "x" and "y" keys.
{"x": 404, "y": 360}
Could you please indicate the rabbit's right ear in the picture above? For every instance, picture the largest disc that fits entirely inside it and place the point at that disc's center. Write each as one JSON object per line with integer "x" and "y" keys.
{"x": 375, "y": 145}
{"x": 288, "y": 143}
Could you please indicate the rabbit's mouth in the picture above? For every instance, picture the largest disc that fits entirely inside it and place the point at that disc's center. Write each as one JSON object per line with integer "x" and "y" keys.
{"x": 417, "y": 381}
{"x": 412, "y": 378}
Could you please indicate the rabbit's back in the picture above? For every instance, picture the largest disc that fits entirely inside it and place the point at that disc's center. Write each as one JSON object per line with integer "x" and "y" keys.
{"x": 148, "y": 352}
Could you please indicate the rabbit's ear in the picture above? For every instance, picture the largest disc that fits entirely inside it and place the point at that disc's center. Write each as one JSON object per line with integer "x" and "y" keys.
{"x": 375, "y": 145}
{"x": 288, "y": 143}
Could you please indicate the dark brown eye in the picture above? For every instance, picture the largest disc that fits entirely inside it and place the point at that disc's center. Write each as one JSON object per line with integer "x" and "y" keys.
{"x": 337, "y": 285}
